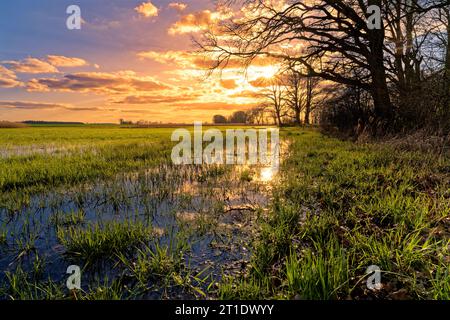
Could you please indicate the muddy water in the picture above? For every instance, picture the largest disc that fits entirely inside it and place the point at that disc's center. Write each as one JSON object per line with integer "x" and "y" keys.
{"x": 211, "y": 208}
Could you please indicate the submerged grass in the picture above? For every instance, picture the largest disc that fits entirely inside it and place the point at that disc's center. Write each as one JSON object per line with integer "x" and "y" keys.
{"x": 68, "y": 219}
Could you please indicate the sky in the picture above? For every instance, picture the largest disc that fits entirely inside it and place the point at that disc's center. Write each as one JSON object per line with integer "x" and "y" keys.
{"x": 132, "y": 60}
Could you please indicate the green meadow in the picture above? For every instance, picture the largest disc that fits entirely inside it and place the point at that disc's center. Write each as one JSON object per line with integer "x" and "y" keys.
{"x": 109, "y": 200}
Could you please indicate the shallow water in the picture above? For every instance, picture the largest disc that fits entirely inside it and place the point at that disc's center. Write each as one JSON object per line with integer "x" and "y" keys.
{"x": 212, "y": 207}
{"x": 47, "y": 149}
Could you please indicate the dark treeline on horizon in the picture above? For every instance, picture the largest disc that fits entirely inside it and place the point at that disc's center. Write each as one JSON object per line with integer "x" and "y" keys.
{"x": 50, "y": 122}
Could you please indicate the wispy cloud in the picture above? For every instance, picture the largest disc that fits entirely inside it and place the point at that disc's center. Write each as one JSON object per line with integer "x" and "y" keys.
{"x": 157, "y": 99}
{"x": 179, "y": 6}
{"x": 261, "y": 82}
{"x": 30, "y": 105}
{"x": 189, "y": 59}
{"x": 214, "y": 105}
{"x": 246, "y": 94}
{"x": 30, "y": 65}
{"x": 98, "y": 82}
{"x": 63, "y": 61}
{"x": 8, "y": 78}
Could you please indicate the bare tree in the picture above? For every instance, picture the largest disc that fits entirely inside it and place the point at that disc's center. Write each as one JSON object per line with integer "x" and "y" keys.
{"x": 257, "y": 115}
{"x": 275, "y": 94}
{"x": 311, "y": 95}
{"x": 295, "y": 92}
{"x": 300, "y": 93}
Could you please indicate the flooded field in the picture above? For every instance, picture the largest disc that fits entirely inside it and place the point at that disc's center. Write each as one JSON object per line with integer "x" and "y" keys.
{"x": 169, "y": 231}
{"x": 140, "y": 227}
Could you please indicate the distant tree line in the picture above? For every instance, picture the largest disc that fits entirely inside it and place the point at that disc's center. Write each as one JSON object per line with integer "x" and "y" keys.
{"x": 340, "y": 71}
{"x": 236, "y": 117}
{"x": 142, "y": 123}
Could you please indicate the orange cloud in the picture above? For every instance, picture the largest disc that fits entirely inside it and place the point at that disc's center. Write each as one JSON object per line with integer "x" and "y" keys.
{"x": 157, "y": 99}
{"x": 228, "y": 84}
{"x": 8, "y": 78}
{"x": 31, "y": 65}
{"x": 26, "y": 105}
{"x": 62, "y": 61}
{"x": 29, "y": 105}
{"x": 97, "y": 82}
{"x": 198, "y": 21}
{"x": 261, "y": 82}
{"x": 179, "y": 6}
{"x": 144, "y": 111}
{"x": 187, "y": 59}
{"x": 147, "y": 9}
{"x": 246, "y": 94}
{"x": 183, "y": 59}
{"x": 212, "y": 106}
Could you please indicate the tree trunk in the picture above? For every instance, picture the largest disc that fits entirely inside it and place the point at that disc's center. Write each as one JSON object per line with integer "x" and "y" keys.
{"x": 279, "y": 119}
{"x": 380, "y": 93}
{"x": 307, "y": 116}
{"x": 309, "y": 92}
{"x": 297, "y": 117}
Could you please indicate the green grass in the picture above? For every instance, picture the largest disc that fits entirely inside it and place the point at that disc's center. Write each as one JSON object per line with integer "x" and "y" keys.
{"x": 246, "y": 175}
{"x": 21, "y": 286}
{"x": 341, "y": 207}
{"x": 318, "y": 273}
{"x": 68, "y": 219}
{"x": 163, "y": 267}
{"x": 156, "y": 262}
{"x": 41, "y": 157}
{"x": 99, "y": 241}
{"x": 3, "y": 235}
{"x": 105, "y": 291}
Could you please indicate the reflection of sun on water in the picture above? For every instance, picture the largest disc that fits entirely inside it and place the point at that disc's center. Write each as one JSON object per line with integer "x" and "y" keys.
{"x": 267, "y": 174}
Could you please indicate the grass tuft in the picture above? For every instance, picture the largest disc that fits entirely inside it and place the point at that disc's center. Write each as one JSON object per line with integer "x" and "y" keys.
{"x": 103, "y": 241}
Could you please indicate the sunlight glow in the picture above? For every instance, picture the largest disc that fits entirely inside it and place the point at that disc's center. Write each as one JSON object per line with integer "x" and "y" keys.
{"x": 263, "y": 71}
{"x": 267, "y": 174}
